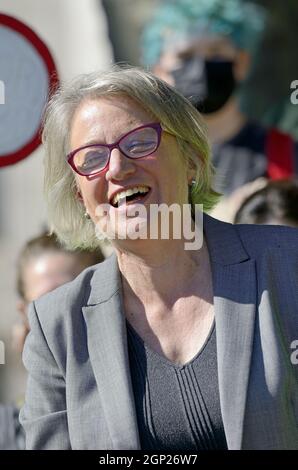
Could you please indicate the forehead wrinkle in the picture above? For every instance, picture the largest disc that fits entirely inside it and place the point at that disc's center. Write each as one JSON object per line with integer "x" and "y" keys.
{"x": 124, "y": 113}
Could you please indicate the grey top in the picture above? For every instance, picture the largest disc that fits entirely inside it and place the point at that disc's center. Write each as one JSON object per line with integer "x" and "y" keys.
{"x": 177, "y": 406}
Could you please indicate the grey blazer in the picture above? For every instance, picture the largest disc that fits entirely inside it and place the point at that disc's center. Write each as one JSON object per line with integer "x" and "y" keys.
{"x": 79, "y": 392}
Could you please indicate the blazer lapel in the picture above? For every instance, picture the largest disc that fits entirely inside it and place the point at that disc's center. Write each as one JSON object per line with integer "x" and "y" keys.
{"x": 107, "y": 344}
{"x": 234, "y": 289}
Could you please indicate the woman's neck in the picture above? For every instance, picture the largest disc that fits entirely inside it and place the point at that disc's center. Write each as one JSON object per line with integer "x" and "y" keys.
{"x": 162, "y": 275}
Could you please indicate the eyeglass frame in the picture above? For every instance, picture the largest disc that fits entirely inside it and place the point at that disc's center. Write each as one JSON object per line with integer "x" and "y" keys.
{"x": 155, "y": 125}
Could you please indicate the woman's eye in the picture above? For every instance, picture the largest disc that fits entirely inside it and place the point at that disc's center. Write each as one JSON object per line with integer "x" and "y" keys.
{"x": 94, "y": 157}
{"x": 135, "y": 147}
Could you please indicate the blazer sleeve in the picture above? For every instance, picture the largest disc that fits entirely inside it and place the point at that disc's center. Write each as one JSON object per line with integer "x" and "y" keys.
{"x": 44, "y": 414}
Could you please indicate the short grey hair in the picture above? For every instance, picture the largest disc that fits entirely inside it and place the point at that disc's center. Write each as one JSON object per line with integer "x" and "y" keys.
{"x": 164, "y": 103}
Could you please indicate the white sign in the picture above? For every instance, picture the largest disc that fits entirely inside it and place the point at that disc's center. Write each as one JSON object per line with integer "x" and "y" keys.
{"x": 27, "y": 72}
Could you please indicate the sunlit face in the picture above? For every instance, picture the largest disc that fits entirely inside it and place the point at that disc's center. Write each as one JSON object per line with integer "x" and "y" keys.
{"x": 164, "y": 173}
{"x": 48, "y": 271}
{"x": 42, "y": 274}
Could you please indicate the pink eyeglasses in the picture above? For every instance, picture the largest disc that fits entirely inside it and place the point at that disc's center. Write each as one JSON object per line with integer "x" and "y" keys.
{"x": 137, "y": 143}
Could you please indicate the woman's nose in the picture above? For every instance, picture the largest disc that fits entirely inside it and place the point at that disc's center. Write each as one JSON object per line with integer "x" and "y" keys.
{"x": 119, "y": 166}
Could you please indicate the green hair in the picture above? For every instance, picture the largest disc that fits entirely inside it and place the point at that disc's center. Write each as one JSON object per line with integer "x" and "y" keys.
{"x": 242, "y": 22}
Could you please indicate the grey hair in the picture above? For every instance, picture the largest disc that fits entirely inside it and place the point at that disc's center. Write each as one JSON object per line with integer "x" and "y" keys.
{"x": 170, "y": 108}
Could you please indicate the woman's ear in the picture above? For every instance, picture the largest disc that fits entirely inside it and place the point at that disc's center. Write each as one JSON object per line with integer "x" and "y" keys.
{"x": 81, "y": 200}
{"x": 191, "y": 179}
{"x": 191, "y": 172}
{"x": 79, "y": 195}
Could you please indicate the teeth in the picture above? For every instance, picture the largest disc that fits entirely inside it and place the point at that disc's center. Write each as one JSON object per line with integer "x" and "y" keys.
{"x": 129, "y": 192}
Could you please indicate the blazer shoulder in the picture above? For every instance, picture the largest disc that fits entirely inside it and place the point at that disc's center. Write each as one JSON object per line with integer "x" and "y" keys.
{"x": 257, "y": 239}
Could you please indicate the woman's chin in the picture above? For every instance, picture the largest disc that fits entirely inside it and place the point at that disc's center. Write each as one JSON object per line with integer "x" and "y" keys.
{"x": 125, "y": 228}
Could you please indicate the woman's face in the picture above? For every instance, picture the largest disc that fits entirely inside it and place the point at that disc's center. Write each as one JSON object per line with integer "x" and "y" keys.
{"x": 163, "y": 174}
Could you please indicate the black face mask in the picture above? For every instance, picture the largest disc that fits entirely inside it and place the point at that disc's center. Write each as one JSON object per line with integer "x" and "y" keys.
{"x": 207, "y": 84}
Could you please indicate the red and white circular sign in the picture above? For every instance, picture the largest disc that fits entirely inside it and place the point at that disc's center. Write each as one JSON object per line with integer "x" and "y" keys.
{"x": 27, "y": 75}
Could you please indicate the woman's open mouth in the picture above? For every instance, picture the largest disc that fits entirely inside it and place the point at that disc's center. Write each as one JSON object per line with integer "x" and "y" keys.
{"x": 130, "y": 196}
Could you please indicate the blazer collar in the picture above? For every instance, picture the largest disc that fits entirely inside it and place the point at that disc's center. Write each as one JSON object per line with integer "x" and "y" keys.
{"x": 224, "y": 244}
{"x": 105, "y": 286}
{"x": 235, "y": 299}
{"x": 107, "y": 345}
{"x": 234, "y": 289}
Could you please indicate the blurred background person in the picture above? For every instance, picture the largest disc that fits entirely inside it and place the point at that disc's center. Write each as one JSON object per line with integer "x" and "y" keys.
{"x": 275, "y": 204}
{"x": 43, "y": 265}
{"x": 205, "y": 49}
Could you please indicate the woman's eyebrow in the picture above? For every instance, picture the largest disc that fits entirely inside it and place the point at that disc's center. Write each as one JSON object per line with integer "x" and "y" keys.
{"x": 96, "y": 142}
{"x": 92, "y": 142}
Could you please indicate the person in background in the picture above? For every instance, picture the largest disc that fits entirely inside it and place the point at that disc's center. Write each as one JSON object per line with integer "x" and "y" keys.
{"x": 43, "y": 265}
{"x": 205, "y": 49}
{"x": 275, "y": 204}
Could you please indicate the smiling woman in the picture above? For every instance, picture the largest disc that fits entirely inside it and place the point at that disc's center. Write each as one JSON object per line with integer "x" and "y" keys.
{"x": 160, "y": 347}
{"x": 144, "y": 156}
{"x": 153, "y": 101}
